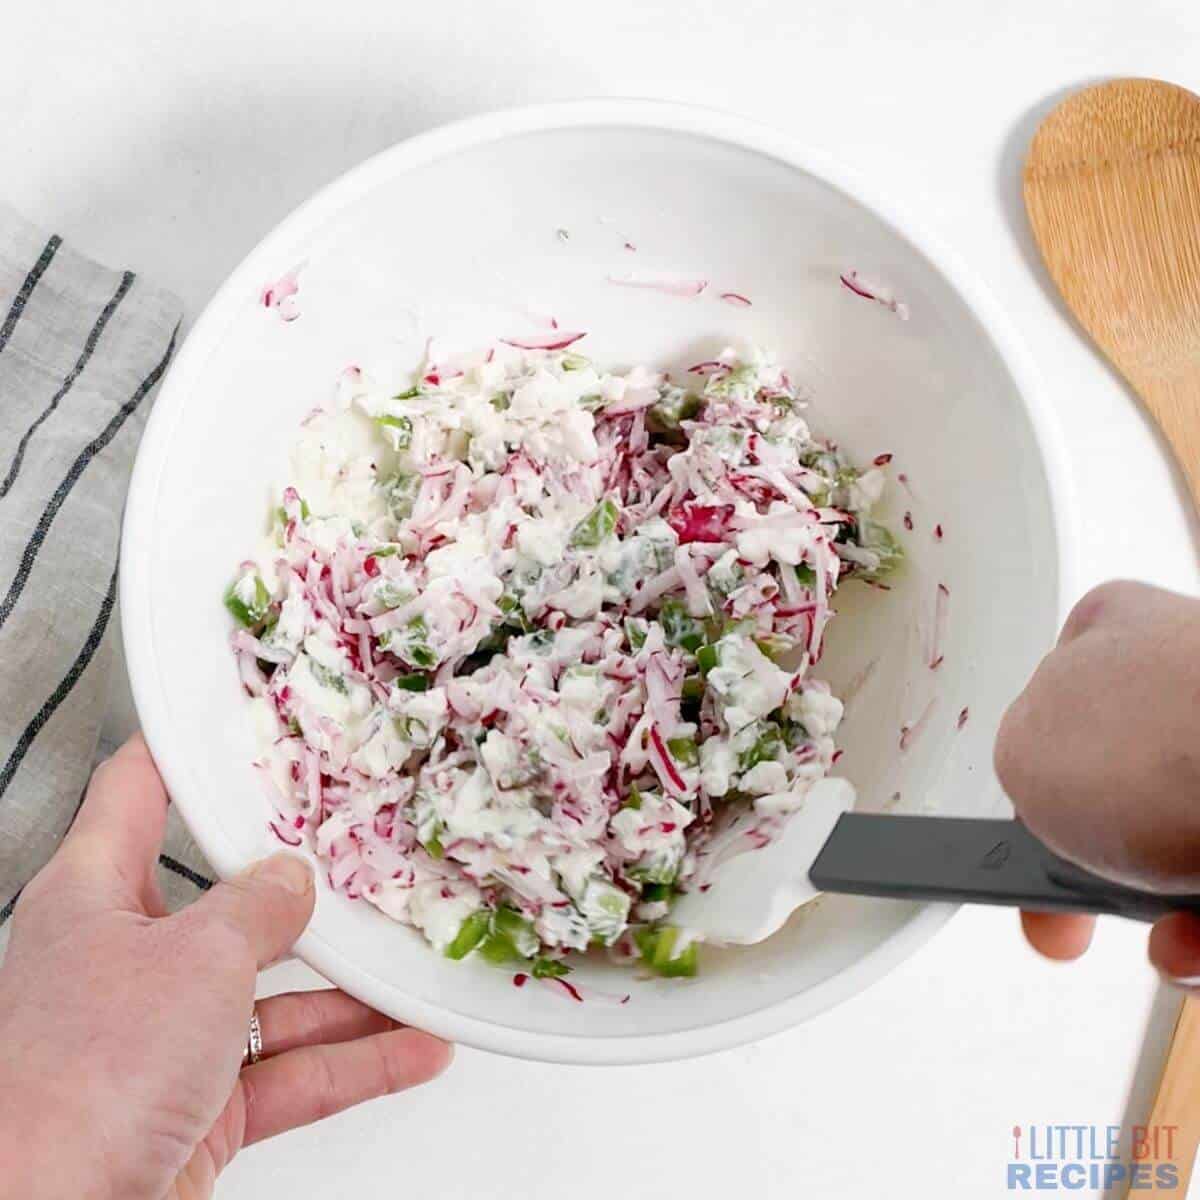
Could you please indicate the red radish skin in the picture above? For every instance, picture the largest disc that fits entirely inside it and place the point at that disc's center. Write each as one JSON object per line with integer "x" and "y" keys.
{"x": 556, "y": 340}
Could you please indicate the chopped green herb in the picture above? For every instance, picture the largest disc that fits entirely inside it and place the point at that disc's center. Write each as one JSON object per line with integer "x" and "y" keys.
{"x": 328, "y": 678}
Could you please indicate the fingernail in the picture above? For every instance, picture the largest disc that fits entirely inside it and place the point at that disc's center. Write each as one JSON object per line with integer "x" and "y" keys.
{"x": 287, "y": 871}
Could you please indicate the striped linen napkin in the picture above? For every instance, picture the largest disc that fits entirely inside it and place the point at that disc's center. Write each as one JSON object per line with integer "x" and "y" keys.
{"x": 82, "y": 349}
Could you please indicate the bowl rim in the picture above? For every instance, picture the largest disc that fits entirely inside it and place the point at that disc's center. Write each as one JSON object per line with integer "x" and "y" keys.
{"x": 138, "y": 526}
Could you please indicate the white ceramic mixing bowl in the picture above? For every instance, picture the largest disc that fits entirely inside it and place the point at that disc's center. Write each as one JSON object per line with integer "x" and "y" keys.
{"x": 457, "y": 233}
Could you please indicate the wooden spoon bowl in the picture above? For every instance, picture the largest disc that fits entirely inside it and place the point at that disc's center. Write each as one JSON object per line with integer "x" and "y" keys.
{"x": 1112, "y": 187}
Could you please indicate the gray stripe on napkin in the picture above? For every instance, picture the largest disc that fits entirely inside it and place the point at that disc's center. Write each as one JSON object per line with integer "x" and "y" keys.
{"x": 82, "y": 349}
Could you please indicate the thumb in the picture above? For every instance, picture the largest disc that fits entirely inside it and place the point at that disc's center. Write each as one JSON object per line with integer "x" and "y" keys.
{"x": 269, "y": 903}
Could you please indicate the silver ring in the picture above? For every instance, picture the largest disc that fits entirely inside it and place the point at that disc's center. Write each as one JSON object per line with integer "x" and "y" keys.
{"x": 254, "y": 1046}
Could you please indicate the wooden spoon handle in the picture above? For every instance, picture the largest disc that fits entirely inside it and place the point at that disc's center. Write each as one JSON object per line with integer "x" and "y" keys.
{"x": 1175, "y": 403}
{"x": 1174, "y": 1125}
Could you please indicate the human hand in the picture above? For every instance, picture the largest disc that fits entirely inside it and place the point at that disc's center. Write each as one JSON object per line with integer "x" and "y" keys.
{"x": 122, "y": 1028}
{"x": 1101, "y": 758}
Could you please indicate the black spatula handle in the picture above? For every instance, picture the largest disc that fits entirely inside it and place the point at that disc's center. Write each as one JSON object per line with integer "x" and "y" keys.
{"x": 965, "y": 860}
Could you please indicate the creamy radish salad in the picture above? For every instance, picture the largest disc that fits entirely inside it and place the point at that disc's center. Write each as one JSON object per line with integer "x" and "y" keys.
{"x": 526, "y": 632}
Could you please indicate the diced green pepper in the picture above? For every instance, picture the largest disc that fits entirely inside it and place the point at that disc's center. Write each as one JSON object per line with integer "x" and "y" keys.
{"x": 679, "y": 627}
{"x": 684, "y": 750}
{"x": 764, "y": 750}
{"x": 655, "y": 892}
{"x": 305, "y": 512}
{"x": 706, "y": 658}
{"x": 413, "y": 683}
{"x": 806, "y": 575}
{"x": 574, "y": 362}
{"x": 420, "y": 656}
{"x": 874, "y": 537}
{"x": 693, "y": 688}
{"x": 248, "y": 614}
{"x": 514, "y": 610}
{"x": 674, "y": 406}
{"x": 400, "y": 491}
{"x": 410, "y": 646}
{"x": 400, "y": 429}
{"x": 549, "y": 968}
{"x": 507, "y": 923}
{"x": 657, "y": 947}
{"x": 661, "y": 866}
{"x": 605, "y": 907}
{"x": 498, "y": 950}
{"x": 774, "y": 646}
{"x": 410, "y": 394}
{"x": 635, "y": 632}
{"x": 470, "y": 933}
{"x": 596, "y": 526}
{"x": 634, "y": 799}
{"x": 385, "y": 551}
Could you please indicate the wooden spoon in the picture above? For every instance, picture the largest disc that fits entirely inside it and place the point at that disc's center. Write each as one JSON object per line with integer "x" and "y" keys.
{"x": 1112, "y": 188}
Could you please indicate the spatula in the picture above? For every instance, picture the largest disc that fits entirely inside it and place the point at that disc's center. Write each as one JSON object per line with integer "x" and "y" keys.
{"x": 1112, "y": 188}
{"x": 824, "y": 847}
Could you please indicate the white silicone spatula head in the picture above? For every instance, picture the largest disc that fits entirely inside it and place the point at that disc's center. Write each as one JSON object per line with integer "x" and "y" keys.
{"x": 754, "y": 893}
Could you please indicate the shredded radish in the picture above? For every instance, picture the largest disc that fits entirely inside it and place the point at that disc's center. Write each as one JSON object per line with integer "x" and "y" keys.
{"x": 669, "y": 287}
{"x": 874, "y": 291}
{"x": 527, "y": 628}
{"x": 282, "y": 294}
{"x": 941, "y": 603}
{"x": 736, "y": 299}
{"x": 556, "y": 340}
{"x": 963, "y": 717}
{"x": 910, "y": 733}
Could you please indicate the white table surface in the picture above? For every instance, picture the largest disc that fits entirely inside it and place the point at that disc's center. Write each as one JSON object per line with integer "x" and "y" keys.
{"x": 170, "y": 136}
